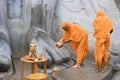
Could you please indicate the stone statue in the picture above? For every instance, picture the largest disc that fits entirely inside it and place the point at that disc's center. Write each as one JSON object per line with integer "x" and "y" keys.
{"x": 48, "y": 14}
{"x": 5, "y": 50}
{"x": 22, "y": 31}
{"x": 41, "y": 31}
{"x": 53, "y": 54}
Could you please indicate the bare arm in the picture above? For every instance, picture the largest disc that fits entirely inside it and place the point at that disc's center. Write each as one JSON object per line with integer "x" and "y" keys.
{"x": 61, "y": 40}
{"x": 64, "y": 41}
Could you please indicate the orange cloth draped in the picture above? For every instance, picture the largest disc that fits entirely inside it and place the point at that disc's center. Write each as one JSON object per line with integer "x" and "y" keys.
{"x": 102, "y": 27}
{"x": 101, "y": 52}
{"x": 79, "y": 40}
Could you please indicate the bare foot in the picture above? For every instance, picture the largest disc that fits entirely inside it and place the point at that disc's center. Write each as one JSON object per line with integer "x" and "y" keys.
{"x": 97, "y": 70}
{"x": 76, "y": 66}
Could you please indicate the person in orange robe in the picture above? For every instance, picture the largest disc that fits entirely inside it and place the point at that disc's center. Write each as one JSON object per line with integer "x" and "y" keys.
{"x": 78, "y": 39}
{"x": 102, "y": 29}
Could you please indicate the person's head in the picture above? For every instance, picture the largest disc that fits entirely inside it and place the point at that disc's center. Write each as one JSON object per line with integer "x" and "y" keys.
{"x": 100, "y": 13}
{"x": 65, "y": 26}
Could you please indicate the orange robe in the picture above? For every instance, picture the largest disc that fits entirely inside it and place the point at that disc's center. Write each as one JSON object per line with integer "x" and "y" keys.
{"x": 79, "y": 40}
{"x": 102, "y": 27}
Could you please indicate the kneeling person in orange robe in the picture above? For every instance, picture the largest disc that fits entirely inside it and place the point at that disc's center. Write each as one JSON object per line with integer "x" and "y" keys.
{"x": 103, "y": 28}
{"x": 78, "y": 39}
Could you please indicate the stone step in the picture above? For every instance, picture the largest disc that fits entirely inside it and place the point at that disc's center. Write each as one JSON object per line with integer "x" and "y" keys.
{"x": 86, "y": 72}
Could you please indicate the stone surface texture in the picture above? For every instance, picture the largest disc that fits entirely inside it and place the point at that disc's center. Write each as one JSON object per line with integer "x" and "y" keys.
{"x": 86, "y": 72}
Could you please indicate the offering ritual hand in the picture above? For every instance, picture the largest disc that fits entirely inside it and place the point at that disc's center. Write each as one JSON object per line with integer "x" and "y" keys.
{"x": 59, "y": 44}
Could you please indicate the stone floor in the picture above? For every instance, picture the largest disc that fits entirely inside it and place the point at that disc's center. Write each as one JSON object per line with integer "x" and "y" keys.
{"x": 84, "y": 73}
{"x": 17, "y": 75}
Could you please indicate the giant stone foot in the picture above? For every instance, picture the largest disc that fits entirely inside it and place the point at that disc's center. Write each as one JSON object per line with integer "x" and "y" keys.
{"x": 5, "y": 51}
{"x": 5, "y": 56}
{"x": 56, "y": 57}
